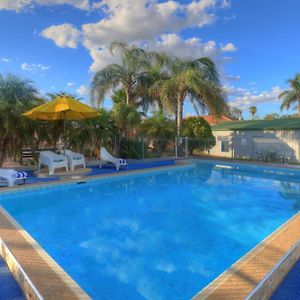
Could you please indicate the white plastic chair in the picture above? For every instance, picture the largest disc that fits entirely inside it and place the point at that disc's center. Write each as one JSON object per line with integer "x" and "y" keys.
{"x": 52, "y": 161}
{"x": 107, "y": 157}
{"x": 11, "y": 176}
{"x": 74, "y": 159}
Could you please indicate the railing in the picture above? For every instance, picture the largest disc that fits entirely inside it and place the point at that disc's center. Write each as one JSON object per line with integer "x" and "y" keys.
{"x": 283, "y": 148}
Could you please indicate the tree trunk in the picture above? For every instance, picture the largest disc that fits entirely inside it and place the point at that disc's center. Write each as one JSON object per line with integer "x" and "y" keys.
{"x": 127, "y": 96}
{"x": 299, "y": 107}
{"x": 179, "y": 115}
{"x": 3, "y": 150}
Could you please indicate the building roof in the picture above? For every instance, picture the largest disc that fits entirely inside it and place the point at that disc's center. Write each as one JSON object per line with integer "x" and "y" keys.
{"x": 276, "y": 124}
{"x": 212, "y": 120}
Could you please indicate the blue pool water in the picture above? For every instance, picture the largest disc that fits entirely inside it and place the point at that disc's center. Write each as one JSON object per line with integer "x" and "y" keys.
{"x": 160, "y": 235}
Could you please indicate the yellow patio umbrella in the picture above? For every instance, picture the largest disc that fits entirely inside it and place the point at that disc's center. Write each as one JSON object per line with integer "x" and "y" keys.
{"x": 62, "y": 108}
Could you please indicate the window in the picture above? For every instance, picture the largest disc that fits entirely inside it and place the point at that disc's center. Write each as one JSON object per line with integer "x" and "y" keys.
{"x": 224, "y": 146}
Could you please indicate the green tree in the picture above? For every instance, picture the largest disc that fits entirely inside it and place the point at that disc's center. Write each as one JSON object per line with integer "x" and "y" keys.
{"x": 271, "y": 116}
{"x": 52, "y": 96}
{"x": 194, "y": 79}
{"x": 253, "y": 111}
{"x": 235, "y": 112}
{"x": 128, "y": 74}
{"x": 158, "y": 130}
{"x": 127, "y": 119}
{"x": 89, "y": 135}
{"x": 199, "y": 133}
{"x": 292, "y": 96}
{"x": 16, "y": 96}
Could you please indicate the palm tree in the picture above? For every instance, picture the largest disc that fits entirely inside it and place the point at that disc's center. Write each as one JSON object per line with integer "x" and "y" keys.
{"x": 194, "y": 79}
{"x": 127, "y": 74}
{"x": 158, "y": 130}
{"x": 52, "y": 96}
{"x": 89, "y": 135}
{"x": 292, "y": 95}
{"x": 126, "y": 118}
{"x": 16, "y": 96}
{"x": 253, "y": 111}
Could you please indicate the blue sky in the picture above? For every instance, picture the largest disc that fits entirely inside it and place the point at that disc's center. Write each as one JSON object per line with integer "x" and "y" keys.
{"x": 59, "y": 44}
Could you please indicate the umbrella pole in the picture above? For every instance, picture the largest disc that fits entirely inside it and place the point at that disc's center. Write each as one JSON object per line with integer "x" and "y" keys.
{"x": 64, "y": 137}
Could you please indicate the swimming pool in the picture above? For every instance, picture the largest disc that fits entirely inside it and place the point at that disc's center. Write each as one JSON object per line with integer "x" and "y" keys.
{"x": 157, "y": 235}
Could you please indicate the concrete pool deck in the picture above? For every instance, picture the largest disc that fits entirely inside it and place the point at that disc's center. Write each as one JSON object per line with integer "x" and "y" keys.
{"x": 47, "y": 280}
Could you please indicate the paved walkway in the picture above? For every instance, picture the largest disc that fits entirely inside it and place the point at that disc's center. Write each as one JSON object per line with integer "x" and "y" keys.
{"x": 289, "y": 289}
{"x": 9, "y": 289}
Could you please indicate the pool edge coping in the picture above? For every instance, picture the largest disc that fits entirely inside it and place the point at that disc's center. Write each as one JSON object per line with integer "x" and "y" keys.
{"x": 221, "y": 280}
{"x": 34, "y": 186}
{"x": 39, "y": 250}
{"x": 24, "y": 282}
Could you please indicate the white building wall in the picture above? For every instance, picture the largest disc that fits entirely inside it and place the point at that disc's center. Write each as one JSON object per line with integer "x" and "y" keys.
{"x": 250, "y": 144}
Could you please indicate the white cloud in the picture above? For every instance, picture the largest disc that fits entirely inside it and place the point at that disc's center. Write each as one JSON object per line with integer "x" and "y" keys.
{"x": 141, "y": 20}
{"x": 19, "y": 5}
{"x": 16, "y": 5}
{"x": 169, "y": 43}
{"x": 80, "y": 4}
{"x": 83, "y": 90}
{"x": 6, "y": 60}
{"x": 34, "y": 67}
{"x": 229, "y": 48}
{"x": 149, "y": 23}
{"x": 70, "y": 84}
{"x": 65, "y": 35}
{"x": 233, "y": 77}
{"x": 243, "y": 97}
{"x": 193, "y": 47}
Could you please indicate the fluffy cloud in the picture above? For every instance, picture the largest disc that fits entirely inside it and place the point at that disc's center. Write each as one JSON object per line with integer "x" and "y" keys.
{"x": 243, "y": 97}
{"x": 65, "y": 35}
{"x": 146, "y": 23}
{"x": 80, "y": 4}
{"x": 229, "y": 48}
{"x": 18, "y": 5}
{"x": 70, "y": 84}
{"x": 193, "y": 47}
{"x": 15, "y": 5}
{"x": 169, "y": 43}
{"x": 6, "y": 60}
{"x": 140, "y": 20}
{"x": 155, "y": 22}
{"x": 83, "y": 90}
{"x": 34, "y": 67}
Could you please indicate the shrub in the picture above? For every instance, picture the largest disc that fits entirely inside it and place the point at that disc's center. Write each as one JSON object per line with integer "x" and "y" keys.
{"x": 199, "y": 133}
{"x": 131, "y": 148}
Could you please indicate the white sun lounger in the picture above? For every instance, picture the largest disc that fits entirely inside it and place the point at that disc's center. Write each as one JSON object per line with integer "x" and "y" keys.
{"x": 74, "y": 159}
{"x": 52, "y": 161}
{"x": 107, "y": 157}
{"x": 12, "y": 176}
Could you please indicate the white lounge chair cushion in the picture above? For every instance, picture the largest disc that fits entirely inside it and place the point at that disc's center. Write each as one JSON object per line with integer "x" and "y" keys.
{"x": 21, "y": 175}
{"x": 122, "y": 161}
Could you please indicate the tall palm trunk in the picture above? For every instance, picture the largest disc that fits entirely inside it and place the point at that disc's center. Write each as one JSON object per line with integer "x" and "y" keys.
{"x": 179, "y": 114}
{"x": 3, "y": 150}
{"x": 128, "y": 95}
{"x": 299, "y": 107}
